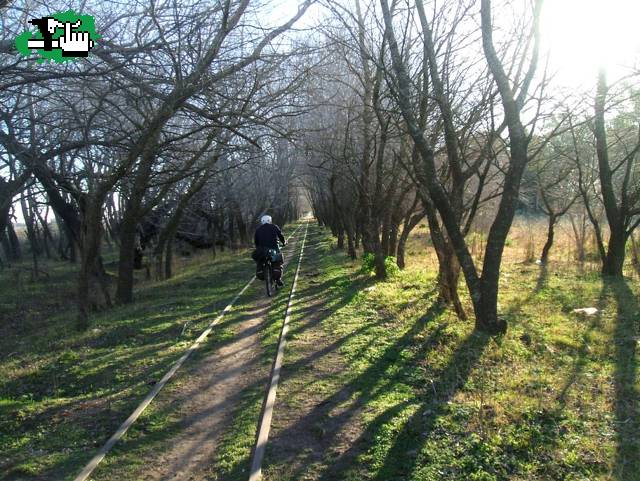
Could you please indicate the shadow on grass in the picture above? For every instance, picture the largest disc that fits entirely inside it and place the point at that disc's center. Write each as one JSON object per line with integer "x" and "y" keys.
{"x": 626, "y": 335}
{"x": 627, "y": 402}
{"x": 376, "y": 380}
{"x": 154, "y": 429}
{"x": 403, "y": 455}
{"x": 542, "y": 281}
{"x": 81, "y": 384}
{"x": 582, "y": 358}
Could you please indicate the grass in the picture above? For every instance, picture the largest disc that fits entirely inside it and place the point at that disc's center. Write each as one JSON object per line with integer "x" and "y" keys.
{"x": 63, "y": 393}
{"x": 380, "y": 382}
{"x": 154, "y": 431}
{"x": 424, "y": 397}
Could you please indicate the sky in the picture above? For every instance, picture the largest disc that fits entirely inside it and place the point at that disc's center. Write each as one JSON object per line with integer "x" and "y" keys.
{"x": 581, "y": 35}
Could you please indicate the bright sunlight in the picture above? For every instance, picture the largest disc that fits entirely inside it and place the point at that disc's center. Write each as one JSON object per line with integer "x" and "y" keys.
{"x": 584, "y": 34}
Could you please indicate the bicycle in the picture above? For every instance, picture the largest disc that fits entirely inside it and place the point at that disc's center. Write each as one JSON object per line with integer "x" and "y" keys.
{"x": 267, "y": 269}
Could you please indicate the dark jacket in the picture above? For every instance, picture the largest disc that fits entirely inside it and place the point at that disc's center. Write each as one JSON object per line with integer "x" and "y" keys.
{"x": 267, "y": 235}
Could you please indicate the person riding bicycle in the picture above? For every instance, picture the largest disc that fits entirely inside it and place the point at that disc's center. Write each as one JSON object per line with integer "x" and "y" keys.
{"x": 265, "y": 238}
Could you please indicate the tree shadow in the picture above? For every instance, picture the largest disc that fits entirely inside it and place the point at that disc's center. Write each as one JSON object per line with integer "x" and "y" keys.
{"x": 581, "y": 360}
{"x": 339, "y": 408}
{"x": 153, "y": 430}
{"x": 541, "y": 281}
{"x": 404, "y": 453}
{"x": 627, "y": 403}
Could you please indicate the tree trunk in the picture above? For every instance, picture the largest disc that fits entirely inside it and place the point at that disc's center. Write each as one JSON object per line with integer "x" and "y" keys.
{"x": 485, "y": 306}
{"x": 635, "y": 254}
{"x": 124, "y": 291}
{"x": 111, "y": 220}
{"x": 616, "y": 215}
{"x": 448, "y": 265}
{"x": 393, "y": 240}
{"x": 381, "y": 269}
{"x": 31, "y": 234}
{"x": 165, "y": 243}
{"x": 64, "y": 209}
{"x": 47, "y": 238}
{"x": 91, "y": 268}
{"x": 614, "y": 262}
{"x": 544, "y": 257}
{"x": 14, "y": 243}
{"x": 158, "y": 256}
{"x": 242, "y": 227}
{"x": 448, "y": 277}
{"x": 409, "y": 224}
{"x": 8, "y": 235}
{"x": 168, "y": 258}
{"x": 8, "y": 190}
{"x": 232, "y": 230}
{"x": 579, "y": 233}
{"x": 351, "y": 244}
{"x": 400, "y": 252}
{"x": 4, "y": 241}
{"x": 385, "y": 233}
{"x": 5, "y": 217}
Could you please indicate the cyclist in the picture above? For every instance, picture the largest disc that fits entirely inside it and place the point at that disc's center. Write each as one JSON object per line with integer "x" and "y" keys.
{"x": 266, "y": 237}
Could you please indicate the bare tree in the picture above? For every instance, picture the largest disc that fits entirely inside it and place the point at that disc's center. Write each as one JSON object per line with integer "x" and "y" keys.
{"x": 483, "y": 287}
{"x": 556, "y": 188}
{"x": 619, "y": 174}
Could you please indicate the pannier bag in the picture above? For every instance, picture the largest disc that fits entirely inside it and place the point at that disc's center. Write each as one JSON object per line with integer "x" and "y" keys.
{"x": 261, "y": 253}
{"x": 277, "y": 272}
{"x": 276, "y": 262}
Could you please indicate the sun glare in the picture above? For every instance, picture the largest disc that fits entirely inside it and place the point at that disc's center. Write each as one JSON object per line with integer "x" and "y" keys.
{"x": 581, "y": 35}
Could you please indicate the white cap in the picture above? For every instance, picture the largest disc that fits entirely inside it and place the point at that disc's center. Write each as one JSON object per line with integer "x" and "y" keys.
{"x": 265, "y": 219}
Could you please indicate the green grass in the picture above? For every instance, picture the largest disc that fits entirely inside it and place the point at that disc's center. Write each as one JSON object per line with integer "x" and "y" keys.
{"x": 63, "y": 393}
{"x": 154, "y": 431}
{"x": 392, "y": 385}
{"x": 430, "y": 399}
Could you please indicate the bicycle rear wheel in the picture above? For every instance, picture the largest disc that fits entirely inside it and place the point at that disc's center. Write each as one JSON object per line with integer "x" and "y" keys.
{"x": 267, "y": 278}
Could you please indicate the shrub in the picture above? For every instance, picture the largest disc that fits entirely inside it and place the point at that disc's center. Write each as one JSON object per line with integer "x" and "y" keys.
{"x": 391, "y": 264}
{"x": 368, "y": 262}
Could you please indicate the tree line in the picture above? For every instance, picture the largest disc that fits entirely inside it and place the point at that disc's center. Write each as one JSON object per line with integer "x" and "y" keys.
{"x": 182, "y": 110}
{"x": 447, "y": 110}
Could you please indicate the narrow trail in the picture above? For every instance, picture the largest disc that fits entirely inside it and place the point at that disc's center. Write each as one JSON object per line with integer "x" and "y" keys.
{"x": 264, "y": 426}
{"x": 212, "y": 388}
{"x": 208, "y": 400}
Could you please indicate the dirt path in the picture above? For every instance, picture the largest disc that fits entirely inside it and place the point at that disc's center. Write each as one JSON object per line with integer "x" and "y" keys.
{"x": 209, "y": 397}
{"x": 211, "y": 391}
